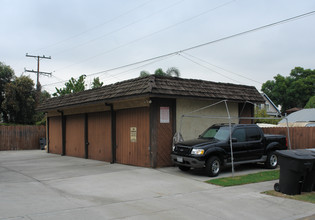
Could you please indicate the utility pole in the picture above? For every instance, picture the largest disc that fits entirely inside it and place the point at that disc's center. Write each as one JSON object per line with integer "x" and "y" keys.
{"x": 38, "y": 86}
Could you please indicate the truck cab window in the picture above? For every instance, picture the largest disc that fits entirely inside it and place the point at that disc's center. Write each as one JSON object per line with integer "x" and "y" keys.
{"x": 239, "y": 135}
{"x": 253, "y": 134}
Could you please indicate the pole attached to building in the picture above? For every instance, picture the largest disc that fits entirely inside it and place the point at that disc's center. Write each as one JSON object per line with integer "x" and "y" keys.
{"x": 63, "y": 133}
{"x": 47, "y": 132}
{"x": 86, "y": 136}
{"x": 113, "y": 131}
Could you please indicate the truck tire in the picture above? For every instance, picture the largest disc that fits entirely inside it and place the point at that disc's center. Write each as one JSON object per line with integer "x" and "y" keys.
{"x": 272, "y": 160}
{"x": 183, "y": 168}
{"x": 213, "y": 166}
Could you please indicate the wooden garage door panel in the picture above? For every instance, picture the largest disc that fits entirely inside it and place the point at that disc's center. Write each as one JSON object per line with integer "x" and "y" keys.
{"x": 55, "y": 135}
{"x": 99, "y": 136}
{"x": 75, "y": 136}
{"x": 164, "y": 135}
{"x": 164, "y": 143}
{"x": 128, "y": 152}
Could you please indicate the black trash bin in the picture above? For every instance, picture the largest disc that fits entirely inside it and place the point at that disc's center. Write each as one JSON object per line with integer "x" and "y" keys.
{"x": 296, "y": 171}
{"x": 42, "y": 143}
{"x": 309, "y": 183}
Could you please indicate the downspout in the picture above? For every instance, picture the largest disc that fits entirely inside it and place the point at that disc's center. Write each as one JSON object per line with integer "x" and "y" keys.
{"x": 47, "y": 132}
{"x": 86, "y": 136}
{"x": 63, "y": 133}
{"x": 113, "y": 131}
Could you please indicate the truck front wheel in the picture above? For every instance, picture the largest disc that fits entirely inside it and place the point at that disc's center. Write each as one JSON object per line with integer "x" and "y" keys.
{"x": 213, "y": 166}
{"x": 272, "y": 160}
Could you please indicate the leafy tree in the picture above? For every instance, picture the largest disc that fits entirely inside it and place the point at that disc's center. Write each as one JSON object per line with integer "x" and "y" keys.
{"x": 172, "y": 71}
{"x": 310, "y": 103}
{"x": 262, "y": 113}
{"x": 6, "y": 75}
{"x": 144, "y": 73}
{"x": 293, "y": 90}
{"x": 19, "y": 100}
{"x": 96, "y": 83}
{"x": 44, "y": 96}
{"x": 72, "y": 86}
{"x": 40, "y": 118}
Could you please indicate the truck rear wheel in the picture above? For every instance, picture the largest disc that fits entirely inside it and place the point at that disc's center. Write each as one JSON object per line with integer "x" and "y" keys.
{"x": 213, "y": 166}
{"x": 272, "y": 160}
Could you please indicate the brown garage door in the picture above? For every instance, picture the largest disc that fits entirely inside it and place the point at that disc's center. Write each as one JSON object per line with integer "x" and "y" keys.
{"x": 75, "y": 136}
{"x": 133, "y": 137}
{"x": 55, "y": 136}
{"x": 99, "y": 136}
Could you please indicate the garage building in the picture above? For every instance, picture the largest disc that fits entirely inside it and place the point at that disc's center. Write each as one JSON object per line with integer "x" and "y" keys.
{"x": 133, "y": 122}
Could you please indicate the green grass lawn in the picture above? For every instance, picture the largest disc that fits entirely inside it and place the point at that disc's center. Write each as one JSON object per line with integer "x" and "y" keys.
{"x": 246, "y": 179}
{"x": 305, "y": 197}
{"x": 261, "y": 177}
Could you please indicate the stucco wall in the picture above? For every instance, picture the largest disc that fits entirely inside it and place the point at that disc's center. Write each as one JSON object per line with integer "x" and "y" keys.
{"x": 192, "y": 127}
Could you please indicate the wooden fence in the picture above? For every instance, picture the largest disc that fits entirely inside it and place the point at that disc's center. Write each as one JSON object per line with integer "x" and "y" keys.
{"x": 21, "y": 137}
{"x": 27, "y": 137}
{"x": 300, "y": 137}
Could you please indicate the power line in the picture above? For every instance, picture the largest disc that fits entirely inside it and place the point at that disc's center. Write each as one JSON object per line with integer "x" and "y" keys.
{"x": 97, "y": 26}
{"x": 149, "y": 35}
{"x": 208, "y": 68}
{"x": 138, "y": 67}
{"x": 210, "y": 42}
{"x": 249, "y": 31}
{"x": 151, "y": 61}
{"x": 222, "y": 68}
{"x": 120, "y": 28}
{"x": 216, "y": 41}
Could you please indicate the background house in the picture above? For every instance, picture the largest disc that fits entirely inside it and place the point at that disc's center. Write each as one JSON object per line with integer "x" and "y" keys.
{"x": 133, "y": 122}
{"x": 301, "y": 118}
{"x": 269, "y": 106}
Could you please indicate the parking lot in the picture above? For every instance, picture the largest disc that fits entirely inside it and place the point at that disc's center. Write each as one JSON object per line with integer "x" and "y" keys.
{"x": 36, "y": 185}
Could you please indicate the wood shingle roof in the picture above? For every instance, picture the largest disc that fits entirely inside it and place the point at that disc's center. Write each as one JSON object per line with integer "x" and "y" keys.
{"x": 156, "y": 86}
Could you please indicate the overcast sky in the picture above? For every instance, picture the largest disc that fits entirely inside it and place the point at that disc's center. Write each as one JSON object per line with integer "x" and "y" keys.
{"x": 90, "y": 37}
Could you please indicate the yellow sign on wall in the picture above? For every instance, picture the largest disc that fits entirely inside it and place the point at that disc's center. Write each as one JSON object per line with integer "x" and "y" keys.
{"x": 133, "y": 134}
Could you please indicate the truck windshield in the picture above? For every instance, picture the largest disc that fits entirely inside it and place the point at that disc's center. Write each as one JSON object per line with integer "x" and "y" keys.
{"x": 219, "y": 133}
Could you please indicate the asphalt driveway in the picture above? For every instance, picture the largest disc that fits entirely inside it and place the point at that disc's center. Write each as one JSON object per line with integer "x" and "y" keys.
{"x": 36, "y": 185}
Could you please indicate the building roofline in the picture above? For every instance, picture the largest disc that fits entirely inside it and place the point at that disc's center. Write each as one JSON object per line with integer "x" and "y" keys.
{"x": 156, "y": 86}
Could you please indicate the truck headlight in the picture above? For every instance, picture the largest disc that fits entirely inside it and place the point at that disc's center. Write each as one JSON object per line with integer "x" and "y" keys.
{"x": 173, "y": 148}
{"x": 197, "y": 151}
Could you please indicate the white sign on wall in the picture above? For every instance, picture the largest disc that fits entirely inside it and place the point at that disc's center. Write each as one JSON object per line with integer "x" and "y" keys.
{"x": 164, "y": 114}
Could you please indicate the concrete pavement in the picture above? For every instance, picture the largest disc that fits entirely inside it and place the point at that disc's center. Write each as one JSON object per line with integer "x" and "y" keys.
{"x": 36, "y": 185}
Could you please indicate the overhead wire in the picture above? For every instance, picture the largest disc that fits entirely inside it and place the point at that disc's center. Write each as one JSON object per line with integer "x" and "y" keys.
{"x": 222, "y": 68}
{"x": 211, "y": 42}
{"x": 199, "y": 64}
{"x": 120, "y": 28}
{"x": 96, "y": 26}
{"x": 89, "y": 29}
{"x": 249, "y": 31}
{"x": 142, "y": 66}
{"x": 151, "y": 61}
{"x": 148, "y": 35}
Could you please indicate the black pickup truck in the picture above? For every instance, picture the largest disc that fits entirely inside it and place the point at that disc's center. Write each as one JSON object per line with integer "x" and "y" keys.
{"x": 212, "y": 148}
